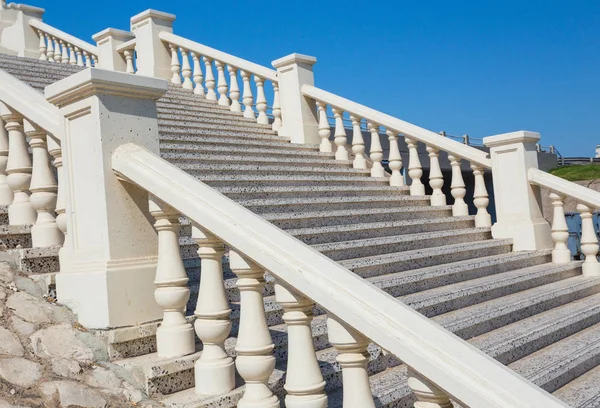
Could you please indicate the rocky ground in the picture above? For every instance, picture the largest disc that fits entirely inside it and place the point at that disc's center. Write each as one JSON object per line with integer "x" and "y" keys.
{"x": 48, "y": 360}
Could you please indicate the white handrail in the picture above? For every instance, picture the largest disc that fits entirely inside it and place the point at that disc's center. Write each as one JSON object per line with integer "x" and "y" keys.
{"x": 129, "y": 45}
{"x": 581, "y": 194}
{"x": 221, "y": 56}
{"x": 423, "y": 135}
{"x": 466, "y": 373}
{"x": 55, "y": 32}
{"x": 31, "y": 104}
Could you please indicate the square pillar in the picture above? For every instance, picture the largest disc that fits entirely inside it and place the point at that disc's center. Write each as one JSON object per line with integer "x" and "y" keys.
{"x": 108, "y": 263}
{"x": 17, "y": 37}
{"x": 518, "y": 203}
{"x": 153, "y": 56}
{"x": 298, "y": 113}
{"x": 108, "y": 41}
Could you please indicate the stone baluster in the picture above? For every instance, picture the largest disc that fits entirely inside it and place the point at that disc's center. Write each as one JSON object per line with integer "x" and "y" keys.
{"x": 175, "y": 66}
{"x": 18, "y": 168}
{"x": 358, "y": 144}
{"x": 324, "y": 129}
{"x": 65, "y": 53}
{"x": 589, "y": 242}
{"x": 480, "y": 199}
{"x": 199, "y": 88}
{"x": 376, "y": 155}
{"x": 175, "y": 336}
{"x": 261, "y": 101}
{"x": 79, "y": 55}
{"x": 50, "y": 49}
{"x": 55, "y": 151}
{"x": 128, "y": 54}
{"x": 247, "y": 99}
{"x": 234, "y": 89}
{"x": 72, "y": 56}
{"x": 436, "y": 179}
{"x": 6, "y": 194}
{"x": 277, "y": 122}
{"x": 215, "y": 372}
{"x": 457, "y": 188}
{"x": 304, "y": 383}
{"x": 560, "y": 230}
{"x": 340, "y": 138}
{"x": 428, "y": 395}
{"x": 88, "y": 61}
{"x": 415, "y": 170}
{"x": 57, "y": 50}
{"x": 255, "y": 361}
{"x": 353, "y": 358}
{"x": 186, "y": 70}
{"x": 222, "y": 83}
{"x": 42, "y": 46}
{"x": 95, "y": 60}
{"x": 209, "y": 80}
{"x": 395, "y": 160}
{"x": 44, "y": 232}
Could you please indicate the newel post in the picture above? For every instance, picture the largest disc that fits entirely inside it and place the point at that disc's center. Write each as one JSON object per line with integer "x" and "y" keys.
{"x": 518, "y": 208}
{"x": 154, "y": 57}
{"x": 107, "y": 42}
{"x": 109, "y": 261}
{"x": 16, "y": 34}
{"x": 298, "y": 113}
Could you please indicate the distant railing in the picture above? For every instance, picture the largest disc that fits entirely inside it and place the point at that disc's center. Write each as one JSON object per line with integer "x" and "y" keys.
{"x": 58, "y": 46}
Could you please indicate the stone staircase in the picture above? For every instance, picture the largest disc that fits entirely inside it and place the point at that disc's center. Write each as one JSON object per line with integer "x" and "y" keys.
{"x": 539, "y": 318}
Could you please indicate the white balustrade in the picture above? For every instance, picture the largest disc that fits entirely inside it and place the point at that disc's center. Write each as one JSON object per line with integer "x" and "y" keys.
{"x": 589, "y": 242}
{"x": 304, "y": 383}
{"x": 55, "y": 151}
{"x": 209, "y": 80}
{"x": 175, "y": 336}
{"x": 222, "y": 84}
{"x": 340, "y": 138}
{"x": 50, "y": 48}
{"x": 186, "y": 70}
{"x": 198, "y": 77}
{"x": 254, "y": 348}
{"x": 415, "y": 170}
{"x": 72, "y": 56}
{"x": 395, "y": 160}
{"x": 261, "y": 101}
{"x": 324, "y": 129}
{"x": 428, "y": 395}
{"x": 175, "y": 65}
{"x": 560, "y": 230}
{"x": 353, "y": 358}
{"x": 234, "y": 89}
{"x": 277, "y": 122}
{"x": 6, "y": 194}
{"x": 214, "y": 369}
{"x": 44, "y": 187}
{"x": 358, "y": 144}
{"x": 42, "y": 46}
{"x": 376, "y": 151}
{"x": 128, "y": 55}
{"x": 457, "y": 188}
{"x": 480, "y": 199}
{"x": 57, "y": 50}
{"x": 79, "y": 55}
{"x": 63, "y": 50}
{"x": 436, "y": 179}
{"x": 247, "y": 99}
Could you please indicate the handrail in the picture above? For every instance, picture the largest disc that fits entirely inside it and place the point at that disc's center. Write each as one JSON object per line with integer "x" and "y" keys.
{"x": 31, "y": 104}
{"x": 582, "y": 194}
{"x": 55, "y": 32}
{"x": 423, "y": 135}
{"x": 466, "y": 373}
{"x": 129, "y": 45}
{"x": 221, "y": 56}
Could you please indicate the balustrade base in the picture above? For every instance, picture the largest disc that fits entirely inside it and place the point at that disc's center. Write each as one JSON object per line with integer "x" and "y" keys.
{"x": 527, "y": 235}
{"x": 215, "y": 377}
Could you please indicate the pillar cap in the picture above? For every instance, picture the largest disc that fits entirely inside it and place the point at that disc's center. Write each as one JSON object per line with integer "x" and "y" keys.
{"x": 115, "y": 33}
{"x": 521, "y": 136}
{"x": 94, "y": 81}
{"x": 294, "y": 58}
{"x": 155, "y": 14}
{"x": 30, "y": 10}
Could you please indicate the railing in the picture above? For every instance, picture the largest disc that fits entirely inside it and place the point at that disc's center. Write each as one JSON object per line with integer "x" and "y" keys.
{"x": 58, "y": 46}
{"x": 442, "y": 366}
{"x": 191, "y": 76}
{"x": 127, "y": 50}
{"x": 588, "y": 200}
{"x": 392, "y": 127}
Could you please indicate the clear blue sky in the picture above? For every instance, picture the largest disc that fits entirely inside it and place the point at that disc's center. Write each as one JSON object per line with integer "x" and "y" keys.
{"x": 476, "y": 67}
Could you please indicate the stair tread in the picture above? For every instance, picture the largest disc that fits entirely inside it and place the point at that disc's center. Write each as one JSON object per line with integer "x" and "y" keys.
{"x": 349, "y": 213}
{"x": 582, "y": 392}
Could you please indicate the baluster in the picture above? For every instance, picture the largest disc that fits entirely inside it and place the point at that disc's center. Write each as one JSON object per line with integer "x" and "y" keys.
{"x": 480, "y": 199}
{"x": 234, "y": 89}
{"x": 276, "y": 108}
{"x": 175, "y": 66}
{"x": 95, "y": 60}
{"x": 65, "y": 53}
{"x": 88, "y": 61}
{"x": 415, "y": 170}
{"x": 199, "y": 88}
{"x": 215, "y": 373}
{"x": 428, "y": 395}
{"x": 55, "y": 151}
{"x": 395, "y": 160}
{"x": 6, "y": 194}
{"x": 589, "y": 242}
{"x": 247, "y": 99}
{"x": 175, "y": 336}
{"x": 254, "y": 348}
{"x": 353, "y": 358}
{"x": 186, "y": 70}
{"x": 376, "y": 153}
{"x": 261, "y": 101}
{"x": 436, "y": 179}
{"x": 128, "y": 54}
{"x": 222, "y": 83}
{"x": 560, "y": 230}
{"x": 18, "y": 168}
{"x": 304, "y": 383}
{"x": 324, "y": 129}
{"x": 42, "y": 46}
{"x": 340, "y": 138}
{"x": 72, "y": 56}
{"x": 457, "y": 188}
{"x": 79, "y": 57}
{"x": 57, "y": 50}
{"x": 209, "y": 81}
{"x": 358, "y": 144}
{"x": 50, "y": 50}
{"x": 43, "y": 189}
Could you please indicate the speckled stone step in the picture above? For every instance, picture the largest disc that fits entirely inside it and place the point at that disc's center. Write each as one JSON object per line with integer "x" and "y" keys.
{"x": 215, "y": 150}
{"x": 277, "y": 169}
{"x": 36, "y": 260}
{"x": 221, "y": 179}
{"x": 583, "y": 392}
{"x": 198, "y": 116}
{"x": 227, "y": 158}
{"x": 262, "y": 192}
{"x": 15, "y": 236}
{"x": 239, "y": 143}
{"x": 202, "y": 127}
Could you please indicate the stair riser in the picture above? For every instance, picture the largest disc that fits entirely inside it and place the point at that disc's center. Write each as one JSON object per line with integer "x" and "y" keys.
{"x": 211, "y": 158}
{"x": 196, "y": 135}
{"x": 193, "y": 127}
{"x": 204, "y": 170}
{"x": 10, "y": 241}
{"x": 259, "y": 152}
{"x": 209, "y": 118}
{"x": 238, "y": 144}
{"x": 39, "y": 265}
{"x": 336, "y": 206}
{"x": 321, "y": 194}
{"x": 272, "y": 182}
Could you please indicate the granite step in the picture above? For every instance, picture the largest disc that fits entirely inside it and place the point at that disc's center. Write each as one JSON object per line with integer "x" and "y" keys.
{"x": 197, "y": 135}
{"x": 211, "y": 150}
{"x": 258, "y": 192}
{"x": 36, "y": 260}
{"x": 207, "y": 168}
{"x": 209, "y": 117}
{"x": 583, "y": 392}
{"x": 193, "y": 126}
{"x": 238, "y": 143}
{"x": 241, "y": 179}
{"x": 15, "y": 236}
{"x": 227, "y": 158}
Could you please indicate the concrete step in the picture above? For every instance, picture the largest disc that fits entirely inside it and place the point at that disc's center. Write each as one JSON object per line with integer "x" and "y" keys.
{"x": 208, "y": 117}
{"x": 216, "y": 151}
{"x": 208, "y": 168}
{"x": 171, "y": 100}
{"x": 36, "y": 260}
{"x": 238, "y": 143}
{"x": 15, "y": 236}
{"x": 197, "y": 135}
{"x": 266, "y": 160}
{"x": 583, "y": 392}
{"x": 221, "y": 179}
{"x": 261, "y": 192}
{"x": 190, "y": 125}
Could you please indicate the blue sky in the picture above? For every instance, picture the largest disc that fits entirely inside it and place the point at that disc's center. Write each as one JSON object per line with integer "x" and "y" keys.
{"x": 475, "y": 67}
